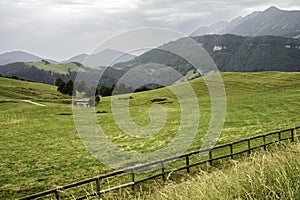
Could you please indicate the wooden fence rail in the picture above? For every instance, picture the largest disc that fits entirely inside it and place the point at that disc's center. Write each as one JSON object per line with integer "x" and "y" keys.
{"x": 251, "y": 144}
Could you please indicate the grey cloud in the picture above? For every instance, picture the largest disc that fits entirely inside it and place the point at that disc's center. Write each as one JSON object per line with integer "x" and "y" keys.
{"x": 62, "y": 28}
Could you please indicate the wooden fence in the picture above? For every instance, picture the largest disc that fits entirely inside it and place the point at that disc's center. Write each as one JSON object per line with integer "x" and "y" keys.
{"x": 217, "y": 153}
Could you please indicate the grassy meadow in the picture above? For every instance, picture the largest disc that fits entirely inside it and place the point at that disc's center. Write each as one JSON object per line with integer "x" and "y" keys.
{"x": 57, "y": 68}
{"x": 41, "y": 149}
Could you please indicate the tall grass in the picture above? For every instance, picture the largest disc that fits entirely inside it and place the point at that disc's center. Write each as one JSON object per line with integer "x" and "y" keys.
{"x": 264, "y": 175}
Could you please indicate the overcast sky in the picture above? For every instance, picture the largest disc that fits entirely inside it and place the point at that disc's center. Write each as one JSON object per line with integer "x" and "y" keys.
{"x": 59, "y": 29}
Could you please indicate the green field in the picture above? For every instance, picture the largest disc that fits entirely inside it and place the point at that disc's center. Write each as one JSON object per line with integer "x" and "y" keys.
{"x": 41, "y": 149}
{"x": 57, "y": 68}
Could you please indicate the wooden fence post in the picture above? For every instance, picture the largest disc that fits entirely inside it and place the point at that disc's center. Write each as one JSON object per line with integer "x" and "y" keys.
{"x": 210, "y": 157}
{"x": 231, "y": 151}
{"x": 293, "y": 134}
{"x": 57, "y": 194}
{"x": 98, "y": 189}
{"x": 249, "y": 146}
{"x": 133, "y": 178}
{"x": 163, "y": 170}
{"x": 264, "y": 140}
{"x": 279, "y": 136}
{"x": 187, "y": 161}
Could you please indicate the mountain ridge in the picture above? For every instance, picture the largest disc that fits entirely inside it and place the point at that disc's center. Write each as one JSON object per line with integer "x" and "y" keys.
{"x": 21, "y": 56}
{"x": 231, "y": 53}
{"x": 107, "y": 57}
{"x": 272, "y": 21}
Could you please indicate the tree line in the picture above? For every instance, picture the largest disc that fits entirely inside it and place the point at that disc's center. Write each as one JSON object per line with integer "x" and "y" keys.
{"x": 71, "y": 88}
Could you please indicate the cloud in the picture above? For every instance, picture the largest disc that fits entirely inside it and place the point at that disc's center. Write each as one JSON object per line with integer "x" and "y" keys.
{"x": 62, "y": 28}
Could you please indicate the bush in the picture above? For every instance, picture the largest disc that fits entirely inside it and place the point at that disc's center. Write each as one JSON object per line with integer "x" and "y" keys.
{"x": 97, "y": 99}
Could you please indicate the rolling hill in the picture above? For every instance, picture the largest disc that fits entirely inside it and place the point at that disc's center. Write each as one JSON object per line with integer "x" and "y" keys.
{"x": 17, "y": 90}
{"x": 20, "y": 56}
{"x": 63, "y": 68}
{"x": 34, "y": 73}
{"x": 272, "y": 21}
{"x": 48, "y": 73}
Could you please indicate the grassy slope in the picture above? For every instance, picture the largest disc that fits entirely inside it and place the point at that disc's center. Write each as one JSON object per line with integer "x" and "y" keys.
{"x": 58, "y": 68}
{"x": 260, "y": 102}
{"x": 16, "y": 90}
{"x": 265, "y": 175}
{"x": 257, "y": 103}
{"x": 40, "y": 148}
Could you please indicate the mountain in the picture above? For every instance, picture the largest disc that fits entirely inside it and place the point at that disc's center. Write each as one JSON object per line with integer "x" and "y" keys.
{"x": 107, "y": 57}
{"x": 252, "y": 54}
{"x": 272, "y": 21}
{"x": 79, "y": 58}
{"x": 231, "y": 53}
{"x": 19, "y": 56}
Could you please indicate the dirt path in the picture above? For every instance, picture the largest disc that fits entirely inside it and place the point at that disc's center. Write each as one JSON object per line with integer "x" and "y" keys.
{"x": 28, "y": 101}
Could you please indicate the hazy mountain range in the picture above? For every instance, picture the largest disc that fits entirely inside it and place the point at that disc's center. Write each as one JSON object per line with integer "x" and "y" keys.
{"x": 272, "y": 21}
{"x": 230, "y": 52}
{"x": 19, "y": 56}
{"x": 107, "y": 57}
